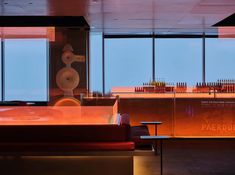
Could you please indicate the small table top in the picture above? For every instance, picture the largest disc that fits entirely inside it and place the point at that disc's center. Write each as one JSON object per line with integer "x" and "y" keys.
{"x": 162, "y": 137}
{"x": 151, "y": 123}
{"x": 155, "y": 137}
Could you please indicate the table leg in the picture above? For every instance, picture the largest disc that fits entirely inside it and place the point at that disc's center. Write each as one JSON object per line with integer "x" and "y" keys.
{"x": 161, "y": 166}
{"x": 155, "y": 129}
{"x": 155, "y": 142}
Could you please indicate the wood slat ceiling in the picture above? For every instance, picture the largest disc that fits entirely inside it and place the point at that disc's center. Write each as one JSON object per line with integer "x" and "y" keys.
{"x": 131, "y": 16}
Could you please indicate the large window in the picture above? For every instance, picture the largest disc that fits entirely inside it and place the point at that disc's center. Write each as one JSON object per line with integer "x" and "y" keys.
{"x": 96, "y": 62}
{"x": 220, "y": 59}
{"x": 25, "y": 70}
{"x": 178, "y": 60}
{"x": 128, "y": 62}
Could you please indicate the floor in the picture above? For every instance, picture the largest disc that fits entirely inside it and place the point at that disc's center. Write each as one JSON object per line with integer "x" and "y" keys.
{"x": 179, "y": 158}
{"x": 216, "y": 157}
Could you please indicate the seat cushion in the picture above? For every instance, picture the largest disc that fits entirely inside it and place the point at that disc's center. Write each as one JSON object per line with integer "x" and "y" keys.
{"x": 136, "y": 132}
{"x": 57, "y": 147}
{"x": 139, "y": 130}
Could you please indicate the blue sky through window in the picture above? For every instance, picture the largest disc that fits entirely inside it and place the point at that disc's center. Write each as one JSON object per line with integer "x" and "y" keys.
{"x": 220, "y": 59}
{"x": 26, "y": 69}
{"x": 128, "y": 62}
{"x": 179, "y": 60}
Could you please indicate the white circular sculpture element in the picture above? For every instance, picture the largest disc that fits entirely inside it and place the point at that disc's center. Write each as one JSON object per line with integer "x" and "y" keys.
{"x": 68, "y": 58}
{"x": 68, "y": 101}
{"x": 68, "y": 47}
{"x": 67, "y": 79}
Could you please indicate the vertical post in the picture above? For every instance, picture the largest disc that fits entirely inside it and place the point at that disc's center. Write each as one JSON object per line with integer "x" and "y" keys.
{"x": 103, "y": 65}
{"x": 2, "y": 68}
{"x": 161, "y": 157}
{"x": 155, "y": 129}
{"x": 153, "y": 55}
{"x": 174, "y": 115}
{"x": 88, "y": 59}
{"x": 203, "y": 58}
{"x": 48, "y": 70}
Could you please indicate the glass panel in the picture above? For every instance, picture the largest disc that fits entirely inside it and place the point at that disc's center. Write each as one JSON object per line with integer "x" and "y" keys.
{"x": 204, "y": 117}
{"x": 179, "y": 60}
{"x": 220, "y": 59}
{"x": 26, "y": 69}
{"x": 57, "y": 115}
{"x": 128, "y": 62}
{"x": 0, "y": 70}
{"x": 96, "y": 62}
{"x": 150, "y": 109}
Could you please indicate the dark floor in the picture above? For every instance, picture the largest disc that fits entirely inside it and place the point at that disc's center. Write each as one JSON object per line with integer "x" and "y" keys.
{"x": 187, "y": 157}
{"x": 200, "y": 157}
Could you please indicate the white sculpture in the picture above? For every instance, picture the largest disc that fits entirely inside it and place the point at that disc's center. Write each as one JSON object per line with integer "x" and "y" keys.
{"x": 68, "y": 78}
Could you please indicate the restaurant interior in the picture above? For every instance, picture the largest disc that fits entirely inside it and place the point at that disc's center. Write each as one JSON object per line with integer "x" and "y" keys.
{"x": 117, "y": 87}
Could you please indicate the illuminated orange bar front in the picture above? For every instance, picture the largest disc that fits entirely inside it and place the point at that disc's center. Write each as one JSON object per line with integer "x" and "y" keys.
{"x": 226, "y": 32}
{"x": 28, "y": 32}
{"x": 53, "y": 115}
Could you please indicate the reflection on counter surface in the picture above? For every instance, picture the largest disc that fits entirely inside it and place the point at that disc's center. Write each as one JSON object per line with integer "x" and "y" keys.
{"x": 58, "y": 115}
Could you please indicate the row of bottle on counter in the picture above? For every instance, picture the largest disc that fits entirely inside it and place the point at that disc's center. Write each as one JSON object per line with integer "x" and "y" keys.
{"x": 164, "y": 84}
{"x": 226, "y": 81}
{"x": 219, "y": 86}
{"x": 223, "y": 85}
{"x": 162, "y": 87}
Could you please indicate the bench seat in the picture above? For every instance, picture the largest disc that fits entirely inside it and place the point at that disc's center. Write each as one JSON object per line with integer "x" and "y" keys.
{"x": 65, "y": 147}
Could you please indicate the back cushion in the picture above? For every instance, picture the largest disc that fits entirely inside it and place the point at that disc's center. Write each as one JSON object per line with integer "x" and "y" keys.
{"x": 124, "y": 119}
{"x": 64, "y": 133}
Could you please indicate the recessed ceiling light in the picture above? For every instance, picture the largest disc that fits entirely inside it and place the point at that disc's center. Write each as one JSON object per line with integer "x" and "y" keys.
{"x": 5, "y": 3}
{"x": 92, "y": 27}
{"x": 95, "y": 1}
{"x": 30, "y": 3}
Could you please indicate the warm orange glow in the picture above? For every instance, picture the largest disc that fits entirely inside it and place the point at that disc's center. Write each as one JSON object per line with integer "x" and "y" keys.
{"x": 226, "y": 32}
{"x": 189, "y": 114}
{"x": 115, "y": 107}
{"x": 203, "y": 137}
{"x": 68, "y": 101}
{"x": 51, "y": 33}
{"x": 47, "y": 115}
{"x": 122, "y": 89}
{"x": 28, "y": 32}
{"x": 176, "y": 95}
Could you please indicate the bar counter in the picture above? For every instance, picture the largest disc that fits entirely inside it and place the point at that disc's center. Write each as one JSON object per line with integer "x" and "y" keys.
{"x": 173, "y": 95}
{"x": 182, "y": 114}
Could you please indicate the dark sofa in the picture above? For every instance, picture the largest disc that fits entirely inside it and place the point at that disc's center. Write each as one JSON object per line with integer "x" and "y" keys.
{"x": 57, "y": 138}
{"x": 66, "y": 138}
{"x": 98, "y": 149}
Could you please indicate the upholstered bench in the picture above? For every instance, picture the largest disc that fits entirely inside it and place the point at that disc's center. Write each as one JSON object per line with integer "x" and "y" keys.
{"x": 62, "y": 138}
{"x": 92, "y": 145}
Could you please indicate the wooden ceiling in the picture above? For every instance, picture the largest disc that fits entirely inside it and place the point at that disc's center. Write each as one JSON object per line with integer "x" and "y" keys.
{"x": 131, "y": 16}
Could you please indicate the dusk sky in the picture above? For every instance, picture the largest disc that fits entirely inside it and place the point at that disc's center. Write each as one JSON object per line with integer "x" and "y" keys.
{"x": 26, "y": 62}
{"x": 128, "y": 62}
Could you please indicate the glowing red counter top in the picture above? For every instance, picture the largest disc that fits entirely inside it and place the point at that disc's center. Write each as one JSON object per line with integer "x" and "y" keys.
{"x": 173, "y": 95}
{"x": 57, "y": 115}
